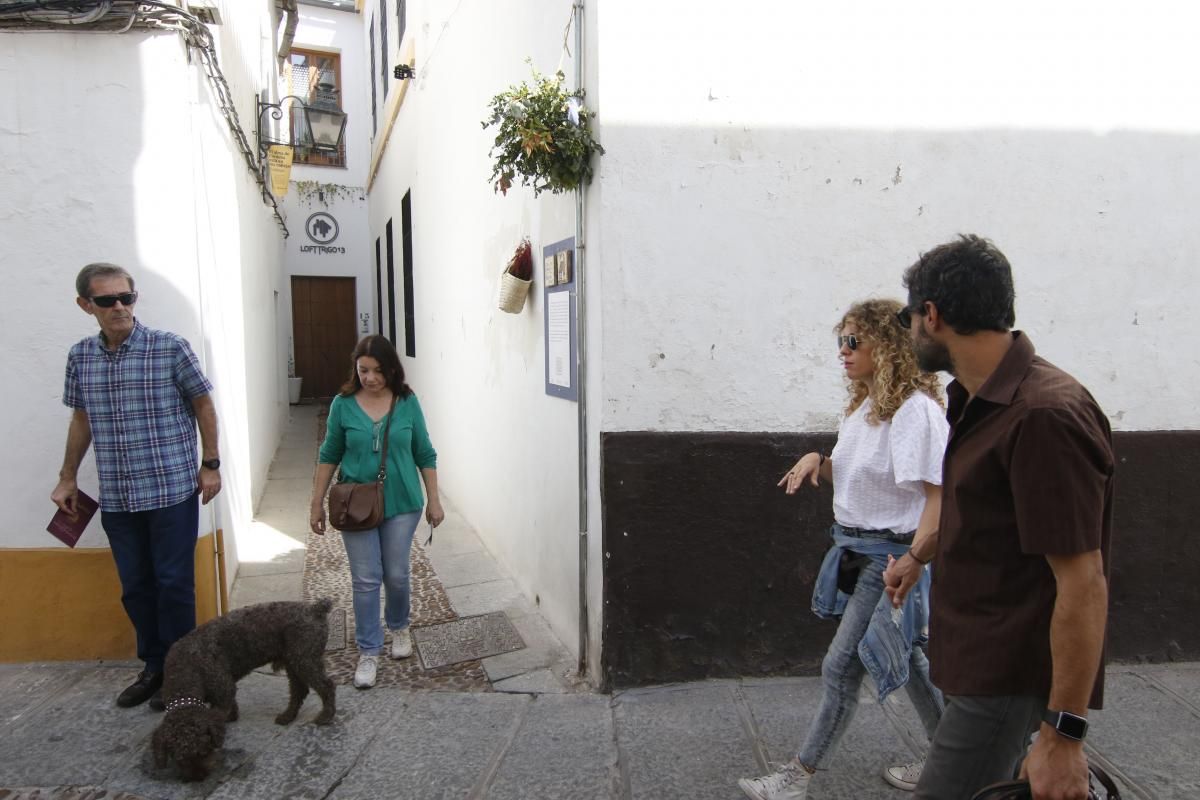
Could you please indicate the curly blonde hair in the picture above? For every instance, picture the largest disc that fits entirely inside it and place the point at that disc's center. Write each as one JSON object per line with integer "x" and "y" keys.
{"x": 896, "y": 375}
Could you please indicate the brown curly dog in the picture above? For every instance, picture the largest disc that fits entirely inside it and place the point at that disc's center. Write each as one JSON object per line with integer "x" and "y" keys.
{"x": 203, "y": 668}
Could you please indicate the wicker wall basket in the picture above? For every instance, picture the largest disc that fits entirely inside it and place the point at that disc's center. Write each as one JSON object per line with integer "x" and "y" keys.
{"x": 513, "y": 292}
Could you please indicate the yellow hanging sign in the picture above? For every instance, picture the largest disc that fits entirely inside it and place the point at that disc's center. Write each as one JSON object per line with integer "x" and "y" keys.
{"x": 279, "y": 162}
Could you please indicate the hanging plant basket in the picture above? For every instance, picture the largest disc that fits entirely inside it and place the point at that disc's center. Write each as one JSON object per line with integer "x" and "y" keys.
{"x": 516, "y": 279}
{"x": 543, "y": 138}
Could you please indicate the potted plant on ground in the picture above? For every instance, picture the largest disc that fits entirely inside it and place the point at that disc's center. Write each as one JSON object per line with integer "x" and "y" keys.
{"x": 543, "y": 136}
{"x": 294, "y": 383}
{"x": 516, "y": 279}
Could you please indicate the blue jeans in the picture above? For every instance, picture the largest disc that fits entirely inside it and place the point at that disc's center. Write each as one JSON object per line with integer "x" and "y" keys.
{"x": 155, "y": 554}
{"x": 380, "y": 557}
{"x": 842, "y": 673}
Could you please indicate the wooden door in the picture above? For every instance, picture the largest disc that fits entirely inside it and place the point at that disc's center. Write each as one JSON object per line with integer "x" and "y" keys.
{"x": 323, "y": 332}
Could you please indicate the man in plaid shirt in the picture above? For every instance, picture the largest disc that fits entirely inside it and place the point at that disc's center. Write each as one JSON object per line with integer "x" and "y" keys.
{"x": 137, "y": 395}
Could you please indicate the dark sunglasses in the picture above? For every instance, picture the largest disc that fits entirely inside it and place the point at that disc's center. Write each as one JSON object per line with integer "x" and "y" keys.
{"x": 904, "y": 316}
{"x": 110, "y": 300}
{"x": 852, "y": 341}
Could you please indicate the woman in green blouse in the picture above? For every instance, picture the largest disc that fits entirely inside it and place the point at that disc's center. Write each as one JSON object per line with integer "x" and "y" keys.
{"x": 358, "y": 418}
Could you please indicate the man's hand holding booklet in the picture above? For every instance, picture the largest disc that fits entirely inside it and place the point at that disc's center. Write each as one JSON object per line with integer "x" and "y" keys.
{"x": 69, "y": 527}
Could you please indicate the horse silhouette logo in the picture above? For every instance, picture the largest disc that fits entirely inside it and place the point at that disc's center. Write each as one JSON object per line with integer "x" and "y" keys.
{"x": 322, "y": 228}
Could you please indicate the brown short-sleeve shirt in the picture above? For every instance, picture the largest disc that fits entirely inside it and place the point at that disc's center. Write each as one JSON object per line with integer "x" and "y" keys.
{"x": 1028, "y": 473}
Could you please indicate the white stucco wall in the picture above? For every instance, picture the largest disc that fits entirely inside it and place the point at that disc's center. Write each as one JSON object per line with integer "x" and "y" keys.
{"x": 158, "y": 189}
{"x": 765, "y": 172}
{"x": 506, "y": 450}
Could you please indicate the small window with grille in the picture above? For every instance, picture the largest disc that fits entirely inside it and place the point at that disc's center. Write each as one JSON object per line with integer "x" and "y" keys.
{"x": 315, "y": 77}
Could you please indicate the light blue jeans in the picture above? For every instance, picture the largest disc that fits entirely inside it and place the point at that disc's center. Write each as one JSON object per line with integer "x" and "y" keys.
{"x": 380, "y": 557}
{"x": 842, "y": 673}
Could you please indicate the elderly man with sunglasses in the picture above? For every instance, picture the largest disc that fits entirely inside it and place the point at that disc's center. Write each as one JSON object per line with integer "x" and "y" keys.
{"x": 137, "y": 394}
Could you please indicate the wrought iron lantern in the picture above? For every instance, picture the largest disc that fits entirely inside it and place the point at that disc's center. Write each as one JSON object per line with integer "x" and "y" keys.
{"x": 322, "y": 122}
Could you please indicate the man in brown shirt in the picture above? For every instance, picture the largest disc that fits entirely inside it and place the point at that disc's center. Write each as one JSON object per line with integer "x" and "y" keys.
{"x": 1020, "y": 588}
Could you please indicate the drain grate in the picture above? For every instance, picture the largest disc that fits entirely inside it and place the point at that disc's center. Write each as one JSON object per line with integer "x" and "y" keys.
{"x": 337, "y": 631}
{"x": 466, "y": 639}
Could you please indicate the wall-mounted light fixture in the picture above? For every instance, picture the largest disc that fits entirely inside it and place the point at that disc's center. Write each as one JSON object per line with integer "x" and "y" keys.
{"x": 403, "y": 71}
{"x": 322, "y": 122}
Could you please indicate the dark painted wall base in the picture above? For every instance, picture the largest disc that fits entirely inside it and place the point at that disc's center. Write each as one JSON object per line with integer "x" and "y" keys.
{"x": 709, "y": 567}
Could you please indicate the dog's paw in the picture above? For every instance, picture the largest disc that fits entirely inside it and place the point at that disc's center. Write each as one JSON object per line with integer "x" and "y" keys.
{"x": 285, "y": 718}
{"x": 324, "y": 718}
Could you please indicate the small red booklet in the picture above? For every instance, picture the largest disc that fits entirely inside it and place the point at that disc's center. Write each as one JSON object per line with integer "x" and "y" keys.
{"x": 68, "y": 527}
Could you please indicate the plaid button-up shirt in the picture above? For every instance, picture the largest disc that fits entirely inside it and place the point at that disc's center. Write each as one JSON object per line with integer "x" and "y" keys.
{"x": 138, "y": 402}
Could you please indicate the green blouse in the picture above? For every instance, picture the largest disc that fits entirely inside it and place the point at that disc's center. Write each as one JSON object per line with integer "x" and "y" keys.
{"x": 354, "y": 441}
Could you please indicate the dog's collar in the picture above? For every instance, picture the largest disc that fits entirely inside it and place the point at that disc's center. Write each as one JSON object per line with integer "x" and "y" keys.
{"x": 184, "y": 702}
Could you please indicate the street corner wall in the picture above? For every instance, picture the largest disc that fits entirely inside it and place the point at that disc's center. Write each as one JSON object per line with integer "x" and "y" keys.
{"x": 804, "y": 169}
{"x": 709, "y": 567}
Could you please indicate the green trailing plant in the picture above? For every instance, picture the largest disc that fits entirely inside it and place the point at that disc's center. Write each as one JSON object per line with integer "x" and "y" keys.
{"x": 309, "y": 191}
{"x": 543, "y": 136}
{"x": 521, "y": 263}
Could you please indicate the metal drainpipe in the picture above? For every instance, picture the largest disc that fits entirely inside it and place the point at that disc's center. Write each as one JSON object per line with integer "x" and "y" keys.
{"x": 581, "y": 406}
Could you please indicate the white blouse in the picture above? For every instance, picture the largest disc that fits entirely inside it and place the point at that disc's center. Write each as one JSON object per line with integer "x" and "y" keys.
{"x": 879, "y": 471}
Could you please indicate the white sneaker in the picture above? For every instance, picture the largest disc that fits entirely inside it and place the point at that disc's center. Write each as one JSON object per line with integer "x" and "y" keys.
{"x": 905, "y": 776}
{"x": 789, "y": 782}
{"x": 364, "y": 675}
{"x": 401, "y": 643}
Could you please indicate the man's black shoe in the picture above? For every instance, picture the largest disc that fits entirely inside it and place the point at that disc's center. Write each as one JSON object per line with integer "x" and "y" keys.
{"x": 140, "y": 690}
{"x": 156, "y": 702}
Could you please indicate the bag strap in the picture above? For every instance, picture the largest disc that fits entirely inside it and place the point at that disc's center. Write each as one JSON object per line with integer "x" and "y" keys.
{"x": 1110, "y": 786}
{"x": 386, "y": 430}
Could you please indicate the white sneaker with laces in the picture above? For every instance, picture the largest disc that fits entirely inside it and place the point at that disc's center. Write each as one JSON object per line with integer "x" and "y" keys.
{"x": 789, "y": 782}
{"x": 401, "y": 643}
{"x": 364, "y": 674}
{"x": 905, "y": 776}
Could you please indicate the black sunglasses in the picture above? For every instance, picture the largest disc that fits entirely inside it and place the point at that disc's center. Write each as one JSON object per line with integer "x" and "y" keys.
{"x": 852, "y": 341}
{"x": 110, "y": 300}
{"x": 904, "y": 316}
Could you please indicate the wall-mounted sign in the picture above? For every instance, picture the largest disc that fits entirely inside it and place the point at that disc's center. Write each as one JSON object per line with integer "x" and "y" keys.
{"x": 279, "y": 163}
{"x": 322, "y": 229}
{"x": 560, "y": 325}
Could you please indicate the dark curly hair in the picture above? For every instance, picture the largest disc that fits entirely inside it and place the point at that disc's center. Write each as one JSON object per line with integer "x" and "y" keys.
{"x": 379, "y": 348}
{"x": 970, "y": 282}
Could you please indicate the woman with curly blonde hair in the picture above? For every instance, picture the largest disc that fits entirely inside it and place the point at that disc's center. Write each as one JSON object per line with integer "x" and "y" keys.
{"x": 886, "y": 471}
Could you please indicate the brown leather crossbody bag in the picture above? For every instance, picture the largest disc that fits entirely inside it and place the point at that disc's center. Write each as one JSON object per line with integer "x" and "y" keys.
{"x": 359, "y": 506}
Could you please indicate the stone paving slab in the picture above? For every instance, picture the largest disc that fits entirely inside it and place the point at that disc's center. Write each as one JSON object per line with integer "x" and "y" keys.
{"x": 560, "y": 751}
{"x": 1149, "y": 735}
{"x": 1183, "y": 680}
{"x": 76, "y": 736}
{"x": 475, "y": 567}
{"x": 542, "y": 650}
{"x": 23, "y": 687}
{"x": 681, "y": 741}
{"x": 434, "y": 745}
{"x": 479, "y": 598}
{"x": 782, "y": 712}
